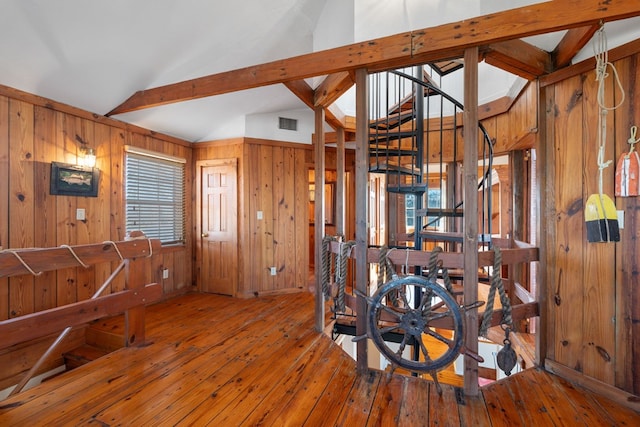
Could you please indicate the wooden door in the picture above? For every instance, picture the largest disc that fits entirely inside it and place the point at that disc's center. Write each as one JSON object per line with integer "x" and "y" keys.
{"x": 219, "y": 226}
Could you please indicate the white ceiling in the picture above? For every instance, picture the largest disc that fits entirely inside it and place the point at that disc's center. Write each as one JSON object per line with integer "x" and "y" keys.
{"x": 95, "y": 54}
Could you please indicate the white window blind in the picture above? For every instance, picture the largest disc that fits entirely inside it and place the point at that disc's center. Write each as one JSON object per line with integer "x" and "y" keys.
{"x": 154, "y": 195}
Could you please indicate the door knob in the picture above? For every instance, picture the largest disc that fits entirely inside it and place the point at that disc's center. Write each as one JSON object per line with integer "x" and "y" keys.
{"x": 205, "y": 234}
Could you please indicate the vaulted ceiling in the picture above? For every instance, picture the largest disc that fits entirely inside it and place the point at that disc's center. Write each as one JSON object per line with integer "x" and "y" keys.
{"x": 97, "y": 55}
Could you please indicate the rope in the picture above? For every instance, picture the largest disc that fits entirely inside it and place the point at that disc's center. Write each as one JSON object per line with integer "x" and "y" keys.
{"x": 24, "y": 264}
{"x": 112, "y": 243}
{"x": 326, "y": 264}
{"x": 341, "y": 274}
{"x": 496, "y": 284}
{"x": 435, "y": 265}
{"x": 75, "y": 255}
{"x": 602, "y": 62}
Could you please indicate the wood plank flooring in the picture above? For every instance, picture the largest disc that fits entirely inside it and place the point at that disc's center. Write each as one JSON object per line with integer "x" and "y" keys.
{"x": 218, "y": 361}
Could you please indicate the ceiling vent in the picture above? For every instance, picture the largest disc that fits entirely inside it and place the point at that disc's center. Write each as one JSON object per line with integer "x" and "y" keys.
{"x": 287, "y": 124}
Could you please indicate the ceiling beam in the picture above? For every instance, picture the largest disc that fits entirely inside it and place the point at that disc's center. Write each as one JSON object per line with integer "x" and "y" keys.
{"x": 306, "y": 94}
{"x": 333, "y": 87}
{"x": 571, "y": 44}
{"x": 519, "y": 58}
{"x": 404, "y": 49}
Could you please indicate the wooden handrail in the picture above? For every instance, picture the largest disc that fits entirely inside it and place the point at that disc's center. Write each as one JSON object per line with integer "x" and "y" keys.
{"x": 48, "y": 259}
{"x": 522, "y": 253}
{"x": 132, "y": 300}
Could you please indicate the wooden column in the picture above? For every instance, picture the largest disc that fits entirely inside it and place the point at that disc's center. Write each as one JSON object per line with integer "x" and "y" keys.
{"x": 319, "y": 162}
{"x": 547, "y": 216}
{"x": 134, "y": 318}
{"x": 341, "y": 211}
{"x": 470, "y": 242}
{"x": 362, "y": 210}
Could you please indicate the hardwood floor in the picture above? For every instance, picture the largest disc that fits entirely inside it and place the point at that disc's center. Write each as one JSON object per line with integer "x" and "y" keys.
{"x": 213, "y": 360}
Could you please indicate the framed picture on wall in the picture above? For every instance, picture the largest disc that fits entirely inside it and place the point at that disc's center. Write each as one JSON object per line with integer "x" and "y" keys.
{"x": 74, "y": 180}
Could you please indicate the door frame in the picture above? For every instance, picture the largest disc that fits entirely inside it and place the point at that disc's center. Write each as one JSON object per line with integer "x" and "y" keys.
{"x": 200, "y": 164}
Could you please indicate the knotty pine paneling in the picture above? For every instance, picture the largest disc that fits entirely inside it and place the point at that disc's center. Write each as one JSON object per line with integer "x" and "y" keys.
{"x": 571, "y": 237}
{"x": 272, "y": 178}
{"x": 627, "y": 261}
{"x": 35, "y": 132}
{"x": 592, "y": 287}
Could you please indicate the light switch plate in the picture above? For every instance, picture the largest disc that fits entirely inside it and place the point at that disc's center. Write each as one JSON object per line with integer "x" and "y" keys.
{"x": 81, "y": 214}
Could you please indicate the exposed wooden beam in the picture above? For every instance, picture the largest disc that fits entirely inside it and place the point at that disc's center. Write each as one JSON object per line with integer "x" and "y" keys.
{"x": 332, "y": 87}
{"x": 589, "y": 64}
{"x": 570, "y": 45}
{"x": 302, "y": 90}
{"x": 409, "y": 48}
{"x": 519, "y": 58}
{"x": 333, "y": 116}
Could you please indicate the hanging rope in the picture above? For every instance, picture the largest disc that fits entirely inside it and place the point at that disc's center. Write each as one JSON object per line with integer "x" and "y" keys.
{"x": 341, "y": 274}
{"x": 435, "y": 265}
{"x": 601, "y": 55}
{"x": 326, "y": 260}
{"x": 496, "y": 284}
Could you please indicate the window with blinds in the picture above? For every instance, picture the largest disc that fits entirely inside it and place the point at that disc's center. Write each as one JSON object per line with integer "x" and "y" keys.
{"x": 154, "y": 195}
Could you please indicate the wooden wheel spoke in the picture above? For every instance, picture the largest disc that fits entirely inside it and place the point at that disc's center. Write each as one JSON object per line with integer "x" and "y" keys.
{"x": 439, "y": 337}
{"x": 391, "y": 311}
{"x": 403, "y": 344}
{"x": 439, "y": 315}
{"x": 388, "y": 329}
{"x": 423, "y": 348}
{"x": 403, "y": 294}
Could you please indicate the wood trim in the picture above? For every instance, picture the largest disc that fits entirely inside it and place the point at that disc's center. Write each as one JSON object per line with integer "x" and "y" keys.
{"x": 404, "y": 49}
{"x": 40, "y": 324}
{"x": 619, "y": 396}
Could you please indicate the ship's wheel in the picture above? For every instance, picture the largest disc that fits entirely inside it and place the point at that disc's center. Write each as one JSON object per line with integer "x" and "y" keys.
{"x": 415, "y": 311}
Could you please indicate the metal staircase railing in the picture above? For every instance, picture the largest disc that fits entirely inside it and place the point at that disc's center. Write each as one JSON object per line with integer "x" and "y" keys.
{"x": 413, "y": 139}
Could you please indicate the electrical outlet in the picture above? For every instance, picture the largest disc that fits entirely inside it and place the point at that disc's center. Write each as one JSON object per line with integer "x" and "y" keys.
{"x": 81, "y": 214}
{"x": 165, "y": 273}
{"x": 273, "y": 271}
{"x": 259, "y": 214}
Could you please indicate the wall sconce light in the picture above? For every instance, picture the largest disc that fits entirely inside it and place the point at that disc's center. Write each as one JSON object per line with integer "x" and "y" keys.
{"x": 88, "y": 153}
{"x": 89, "y": 158}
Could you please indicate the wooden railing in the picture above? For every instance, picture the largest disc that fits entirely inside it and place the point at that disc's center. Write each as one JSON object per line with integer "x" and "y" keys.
{"x": 134, "y": 256}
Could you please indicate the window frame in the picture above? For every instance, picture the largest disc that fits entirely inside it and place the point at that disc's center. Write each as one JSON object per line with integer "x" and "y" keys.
{"x": 157, "y": 205}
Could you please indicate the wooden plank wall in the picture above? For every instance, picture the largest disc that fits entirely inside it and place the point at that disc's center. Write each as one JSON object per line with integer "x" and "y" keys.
{"x": 273, "y": 179}
{"x": 593, "y": 288}
{"x": 510, "y": 123}
{"x": 35, "y": 132}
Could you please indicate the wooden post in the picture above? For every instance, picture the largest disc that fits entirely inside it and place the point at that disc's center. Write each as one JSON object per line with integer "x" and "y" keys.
{"x": 341, "y": 211}
{"x": 134, "y": 318}
{"x": 362, "y": 212}
{"x": 319, "y": 162}
{"x": 470, "y": 242}
{"x": 546, "y": 215}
